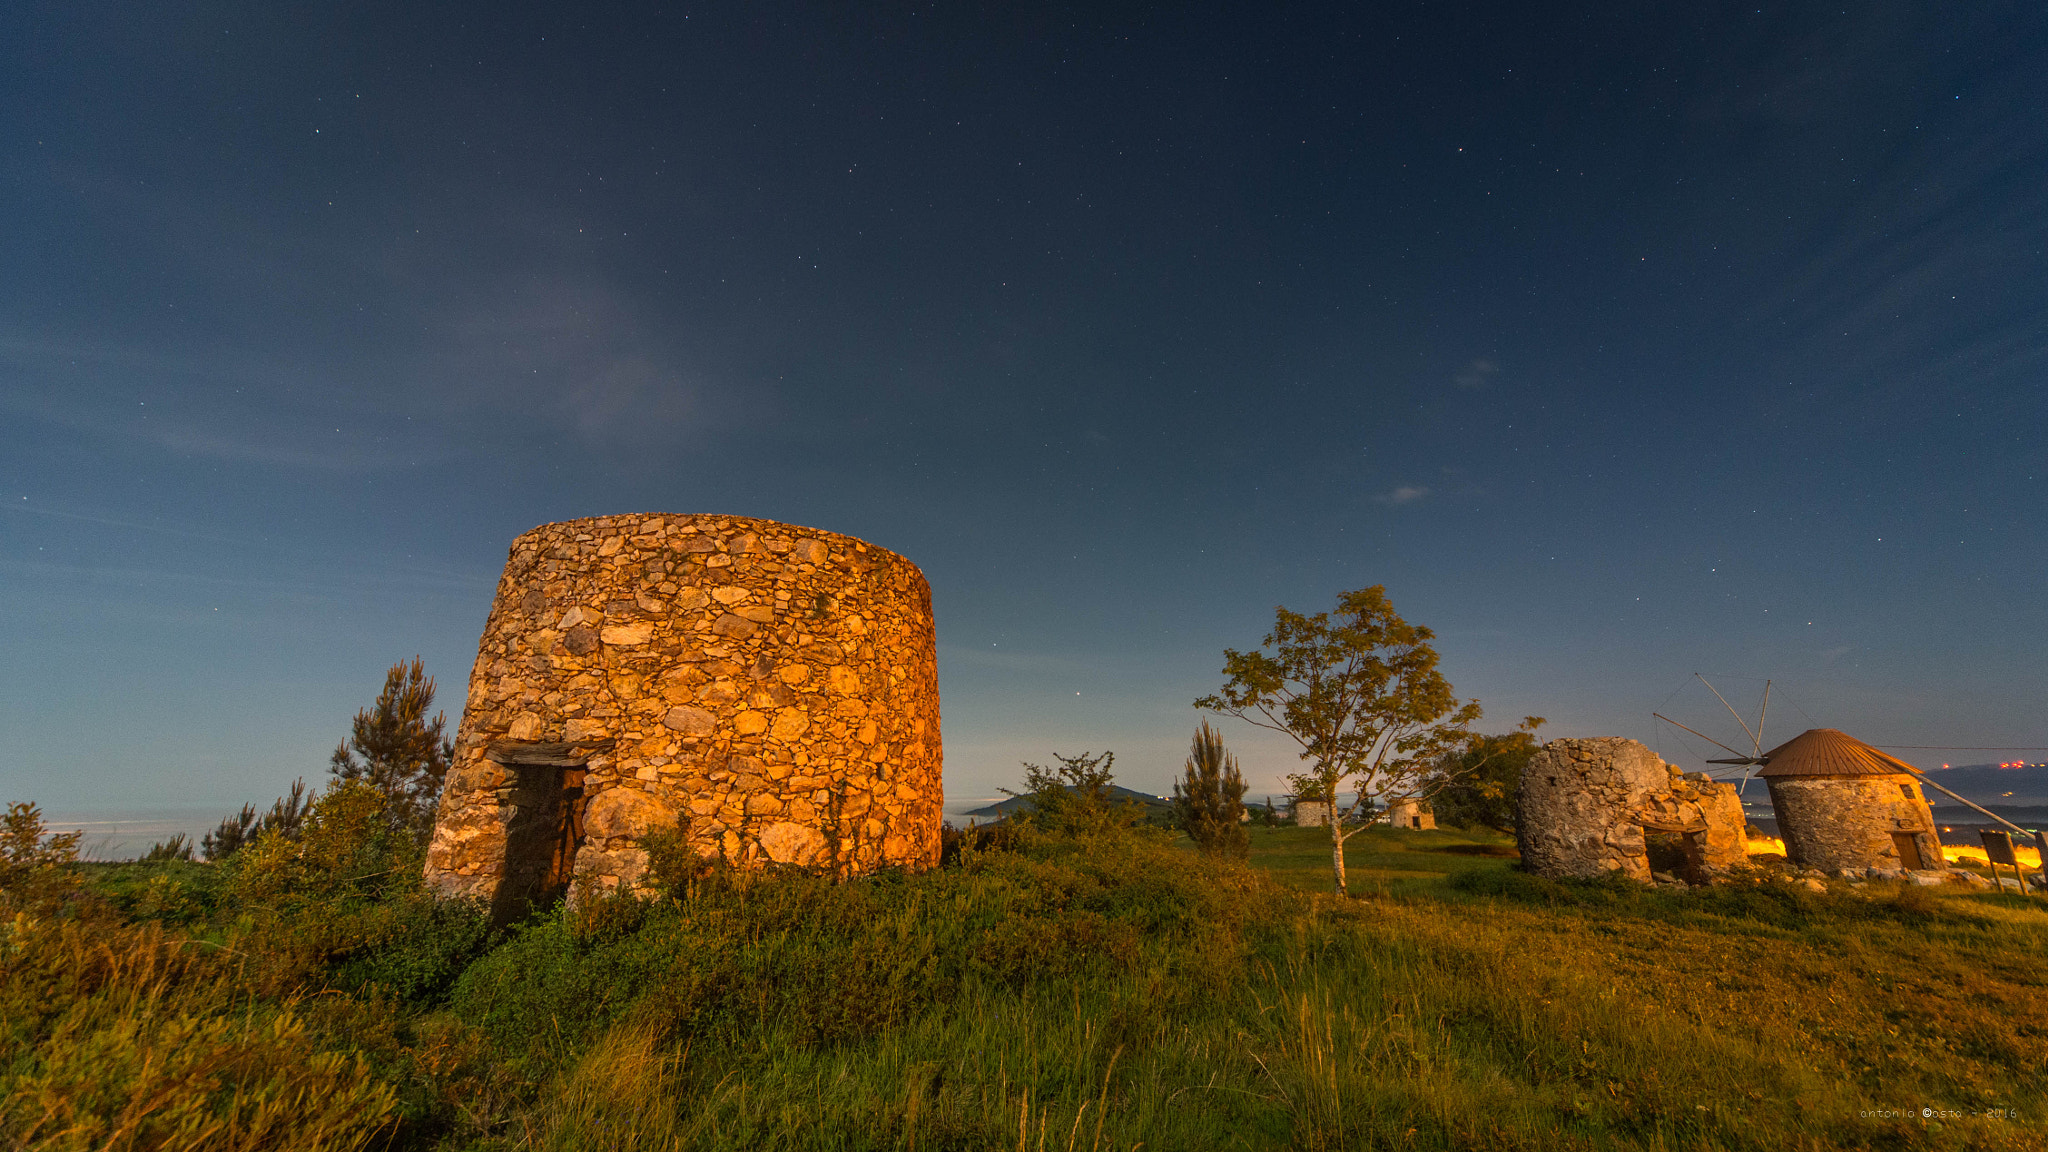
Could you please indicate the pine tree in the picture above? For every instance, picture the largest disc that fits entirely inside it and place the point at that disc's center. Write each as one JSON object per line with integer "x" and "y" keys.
{"x": 403, "y": 754}
{"x": 287, "y": 816}
{"x": 178, "y": 847}
{"x": 1209, "y": 800}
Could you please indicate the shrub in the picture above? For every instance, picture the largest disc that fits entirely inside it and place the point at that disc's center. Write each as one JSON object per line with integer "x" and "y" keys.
{"x": 286, "y": 818}
{"x": 164, "y": 898}
{"x": 347, "y": 893}
{"x": 956, "y": 843}
{"x": 1481, "y": 781}
{"x": 176, "y": 848}
{"x": 345, "y": 853}
{"x": 416, "y": 947}
{"x": 1075, "y": 798}
{"x": 38, "y": 869}
{"x": 544, "y": 992}
{"x": 129, "y": 1037}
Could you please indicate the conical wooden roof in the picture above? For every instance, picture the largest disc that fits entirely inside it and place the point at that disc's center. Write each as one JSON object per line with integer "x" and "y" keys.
{"x": 1830, "y": 752}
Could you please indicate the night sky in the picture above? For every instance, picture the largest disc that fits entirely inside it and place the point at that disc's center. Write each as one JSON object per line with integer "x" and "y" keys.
{"x": 1619, "y": 344}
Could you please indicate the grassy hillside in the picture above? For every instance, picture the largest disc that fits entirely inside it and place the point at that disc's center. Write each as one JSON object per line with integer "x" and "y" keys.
{"x": 1092, "y": 992}
{"x": 1378, "y": 861}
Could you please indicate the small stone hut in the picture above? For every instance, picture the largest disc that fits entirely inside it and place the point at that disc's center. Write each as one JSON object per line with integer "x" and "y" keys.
{"x": 769, "y": 689}
{"x": 1311, "y": 813}
{"x": 1410, "y": 813}
{"x": 1844, "y": 806}
{"x": 1587, "y": 807}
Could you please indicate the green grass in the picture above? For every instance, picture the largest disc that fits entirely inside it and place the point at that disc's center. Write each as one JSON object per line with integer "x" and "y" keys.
{"x": 1102, "y": 992}
{"x": 1382, "y": 861}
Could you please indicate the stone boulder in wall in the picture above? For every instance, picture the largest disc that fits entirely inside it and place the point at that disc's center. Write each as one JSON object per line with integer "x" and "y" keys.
{"x": 613, "y": 826}
{"x": 787, "y": 843}
{"x": 625, "y": 813}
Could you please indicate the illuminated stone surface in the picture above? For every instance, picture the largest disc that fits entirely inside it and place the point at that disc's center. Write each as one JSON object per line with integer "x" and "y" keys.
{"x": 773, "y": 689}
{"x": 1584, "y": 805}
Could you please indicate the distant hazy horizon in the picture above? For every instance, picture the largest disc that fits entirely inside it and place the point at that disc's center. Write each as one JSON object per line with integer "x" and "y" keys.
{"x": 120, "y": 833}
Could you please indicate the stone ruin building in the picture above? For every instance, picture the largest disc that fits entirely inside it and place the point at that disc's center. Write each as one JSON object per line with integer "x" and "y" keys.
{"x": 1311, "y": 813}
{"x": 769, "y": 689}
{"x": 1844, "y": 807}
{"x": 1588, "y": 807}
{"x": 1410, "y": 813}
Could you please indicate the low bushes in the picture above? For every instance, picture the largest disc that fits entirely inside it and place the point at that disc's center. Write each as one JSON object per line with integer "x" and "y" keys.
{"x": 129, "y": 1036}
{"x": 827, "y": 962}
{"x": 265, "y": 1002}
{"x": 1093, "y": 988}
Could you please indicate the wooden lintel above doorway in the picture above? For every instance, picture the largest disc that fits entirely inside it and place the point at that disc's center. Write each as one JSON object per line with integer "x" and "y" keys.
{"x": 544, "y": 754}
{"x": 1669, "y": 826}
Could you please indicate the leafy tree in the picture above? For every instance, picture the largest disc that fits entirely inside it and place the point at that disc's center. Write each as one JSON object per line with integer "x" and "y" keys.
{"x": 1481, "y": 780}
{"x": 1208, "y": 803}
{"x": 1075, "y": 796}
{"x": 287, "y": 818}
{"x": 403, "y": 754}
{"x": 38, "y": 868}
{"x": 1360, "y": 693}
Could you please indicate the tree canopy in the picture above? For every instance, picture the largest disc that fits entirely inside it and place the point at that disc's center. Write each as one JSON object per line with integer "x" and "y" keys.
{"x": 1481, "y": 780}
{"x": 1358, "y": 689}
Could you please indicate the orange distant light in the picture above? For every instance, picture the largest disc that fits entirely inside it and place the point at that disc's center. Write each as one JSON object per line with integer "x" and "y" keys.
{"x": 2029, "y": 858}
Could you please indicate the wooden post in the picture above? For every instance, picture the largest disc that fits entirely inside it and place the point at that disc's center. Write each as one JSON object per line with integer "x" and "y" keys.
{"x": 1998, "y": 850}
{"x": 2041, "y": 848}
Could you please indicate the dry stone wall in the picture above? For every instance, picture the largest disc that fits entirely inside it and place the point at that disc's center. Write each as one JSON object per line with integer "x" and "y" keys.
{"x": 771, "y": 689}
{"x": 1707, "y": 815}
{"x": 1849, "y": 824}
{"x": 1312, "y": 813}
{"x": 1584, "y": 806}
{"x": 1411, "y": 814}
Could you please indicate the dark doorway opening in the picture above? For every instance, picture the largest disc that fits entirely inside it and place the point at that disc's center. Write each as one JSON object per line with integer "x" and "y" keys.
{"x": 1666, "y": 851}
{"x": 543, "y": 826}
{"x": 1679, "y": 852}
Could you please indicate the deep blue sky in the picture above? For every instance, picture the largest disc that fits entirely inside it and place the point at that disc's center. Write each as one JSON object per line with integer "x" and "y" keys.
{"x": 1618, "y": 345}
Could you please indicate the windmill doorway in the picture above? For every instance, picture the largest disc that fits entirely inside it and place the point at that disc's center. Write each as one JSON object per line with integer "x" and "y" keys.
{"x": 543, "y": 826}
{"x": 1675, "y": 850}
{"x": 1908, "y": 847}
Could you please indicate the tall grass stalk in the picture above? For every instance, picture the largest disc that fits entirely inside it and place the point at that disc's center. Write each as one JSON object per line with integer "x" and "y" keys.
{"x": 1074, "y": 992}
{"x": 145, "y": 1040}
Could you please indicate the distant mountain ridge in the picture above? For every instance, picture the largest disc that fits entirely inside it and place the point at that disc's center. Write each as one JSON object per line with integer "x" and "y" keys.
{"x": 1006, "y": 806}
{"x": 1988, "y": 784}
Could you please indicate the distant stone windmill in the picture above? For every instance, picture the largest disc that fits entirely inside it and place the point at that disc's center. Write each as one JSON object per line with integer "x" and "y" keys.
{"x": 1842, "y": 805}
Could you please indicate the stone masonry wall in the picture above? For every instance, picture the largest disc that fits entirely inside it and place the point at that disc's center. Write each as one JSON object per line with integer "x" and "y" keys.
{"x": 1572, "y": 811}
{"x": 1696, "y": 799}
{"x": 1312, "y": 813}
{"x": 1845, "y": 823}
{"x": 1584, "y": 803}
{"x": 774, "y": 687}
{"x": 1410, "y": 814}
